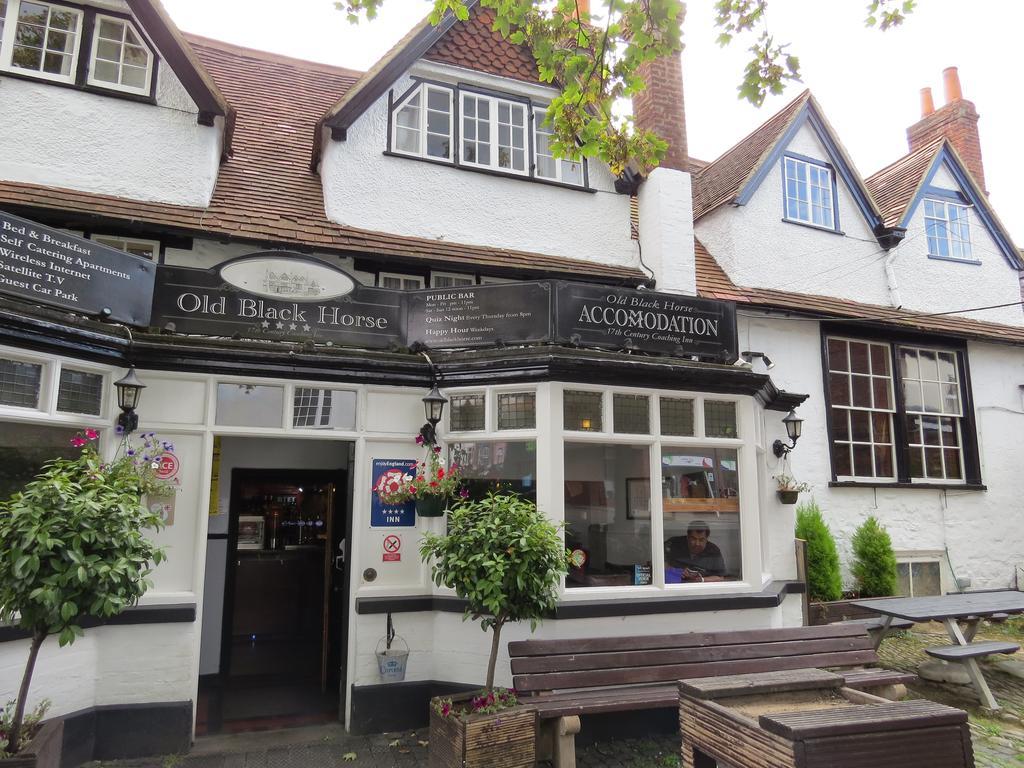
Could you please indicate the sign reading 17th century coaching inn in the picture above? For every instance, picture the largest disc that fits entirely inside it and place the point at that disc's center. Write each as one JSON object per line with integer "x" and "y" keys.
{"x": 48, "y": 266}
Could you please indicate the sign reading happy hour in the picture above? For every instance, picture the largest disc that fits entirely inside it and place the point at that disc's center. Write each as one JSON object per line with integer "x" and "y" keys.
{"x": 48, "y": 266}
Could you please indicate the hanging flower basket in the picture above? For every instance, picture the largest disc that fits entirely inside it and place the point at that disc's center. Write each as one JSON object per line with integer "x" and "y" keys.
{"x": 789, "y": 497}
{"x": 431, "y": 506}
{"x": 460, "y": 738}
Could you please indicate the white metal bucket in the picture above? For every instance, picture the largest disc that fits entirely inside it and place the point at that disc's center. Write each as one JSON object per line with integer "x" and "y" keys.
{"x": 391, "y": 662}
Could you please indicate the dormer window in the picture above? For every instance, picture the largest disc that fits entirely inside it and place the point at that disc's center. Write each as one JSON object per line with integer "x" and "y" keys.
{"x": 478, "y": 131}
{"x": 947, "y": 229}
{"x": 423, "y": 123}
{"x": 40, "y": 39}
{"x": 120, "y": 59}
{"x": 45, "y": 40}
{"x": 809, "y": 189}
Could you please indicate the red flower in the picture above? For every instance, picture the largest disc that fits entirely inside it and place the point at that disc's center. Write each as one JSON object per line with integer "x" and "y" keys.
{"x": 92, "y": 434}
{"x": 78, "y": 442}
{"x": 440, "y": 473}
{"x": 433, "y": 484}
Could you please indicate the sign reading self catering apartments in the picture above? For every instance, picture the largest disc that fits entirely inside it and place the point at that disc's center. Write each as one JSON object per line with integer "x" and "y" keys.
{"x": 48, "y": 266}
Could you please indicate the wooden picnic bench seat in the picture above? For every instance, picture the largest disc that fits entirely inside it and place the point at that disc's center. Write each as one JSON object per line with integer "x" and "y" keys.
{"x": 567, "y": 678}
{"x": 875, "y": 623}
{"x": 971, "y": 650}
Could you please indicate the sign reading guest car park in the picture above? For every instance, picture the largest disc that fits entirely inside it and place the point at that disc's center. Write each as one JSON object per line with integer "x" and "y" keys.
{"x": 52, "y": 267}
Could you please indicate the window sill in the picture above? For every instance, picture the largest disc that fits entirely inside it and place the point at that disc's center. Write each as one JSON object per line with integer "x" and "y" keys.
{"x": 972, "y": 262}
{"x": 95, "y": 89}
{"x": 816, "y": 227}
{"x": 919, "y": 486}
{"x": 489, "y": 172}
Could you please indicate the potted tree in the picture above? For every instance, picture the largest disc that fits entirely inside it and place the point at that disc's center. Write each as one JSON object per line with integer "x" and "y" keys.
{"x": 71, "y": 546}
{"x": 431, "y": 486}
{"x": 505, "y": 559}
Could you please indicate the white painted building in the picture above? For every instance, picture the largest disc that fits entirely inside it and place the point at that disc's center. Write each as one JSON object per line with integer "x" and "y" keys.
{"x": 427, "y": 172}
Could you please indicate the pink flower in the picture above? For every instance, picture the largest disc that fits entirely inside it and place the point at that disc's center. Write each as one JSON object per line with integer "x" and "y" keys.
{"x": 78, "y": 442}
{"x": 419, "y": 439}
{"x": 437, "y": 449}
{"x": 464, "y": 493}
{"x": 92, "y": 434}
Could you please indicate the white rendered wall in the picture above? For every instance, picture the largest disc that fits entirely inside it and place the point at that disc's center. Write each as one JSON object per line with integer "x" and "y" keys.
{"x": 666, "y": 230}
{"x": 757, "y": 248}
{"x": 62, "y": 137}
{"x": 935, "y": 285}
{"x": 366, "y": 189}
{"x": 983, "y": 530}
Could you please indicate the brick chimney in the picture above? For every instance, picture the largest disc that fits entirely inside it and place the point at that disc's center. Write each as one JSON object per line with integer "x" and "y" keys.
{"x": 956, "y": 120}
{"x": 659, "y": 107}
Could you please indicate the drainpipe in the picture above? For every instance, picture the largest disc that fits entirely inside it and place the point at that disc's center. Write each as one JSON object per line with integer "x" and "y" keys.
{"x": 890, "y": 278}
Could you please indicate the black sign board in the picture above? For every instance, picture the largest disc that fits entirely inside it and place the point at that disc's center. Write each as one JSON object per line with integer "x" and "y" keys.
{"x": 48, "y": 266}
{"x": 289, "y": 298}
{"x": 620, "y": 318}
{"x": 480, "y": 315}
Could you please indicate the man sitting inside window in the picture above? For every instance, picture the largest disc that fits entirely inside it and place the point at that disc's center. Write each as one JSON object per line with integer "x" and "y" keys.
{"x": 692, "y": 557}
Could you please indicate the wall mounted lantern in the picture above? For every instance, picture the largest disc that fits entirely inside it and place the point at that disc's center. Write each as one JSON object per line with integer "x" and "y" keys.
{"x": 129, "y": 392}
{"x": 433, "y": 406}
{"x": 793, "y": 426}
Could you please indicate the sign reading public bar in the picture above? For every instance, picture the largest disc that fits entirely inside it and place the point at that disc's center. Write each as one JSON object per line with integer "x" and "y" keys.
{"x": 52, "y": 267}
{"x": 278, "y": 296}
{"x": 480, "y": 315}
{"x": 621, "y": 318}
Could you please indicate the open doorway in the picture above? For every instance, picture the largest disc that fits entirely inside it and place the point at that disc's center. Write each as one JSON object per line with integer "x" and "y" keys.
{"x": 283, "y": 608}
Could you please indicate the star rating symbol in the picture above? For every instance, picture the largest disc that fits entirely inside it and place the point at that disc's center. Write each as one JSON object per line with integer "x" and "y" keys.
{"x": 279, "y": 326}
{"x": 292, "y": 326}
{"x": 265, "y": 324}
{"x": 306, "y": 328}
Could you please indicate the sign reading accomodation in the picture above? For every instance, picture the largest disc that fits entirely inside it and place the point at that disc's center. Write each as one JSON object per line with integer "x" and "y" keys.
{"x": 277, "y": 296}
{"x": 52, "y": 267}
{"x": 480, "y": 315}
{"x": 592, "y": 315}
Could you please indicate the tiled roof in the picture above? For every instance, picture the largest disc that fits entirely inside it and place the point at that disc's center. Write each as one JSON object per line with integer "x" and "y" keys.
{"x": 894, "y": 186}
{"x": 474, "y": 44}
{"x": 713, "y": 283}
{"x": 266, "y": 192}
{"x": 722, "y": 180}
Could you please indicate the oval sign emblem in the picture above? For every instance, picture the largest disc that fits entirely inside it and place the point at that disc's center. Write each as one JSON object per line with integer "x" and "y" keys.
{"x": 287, "y": 279}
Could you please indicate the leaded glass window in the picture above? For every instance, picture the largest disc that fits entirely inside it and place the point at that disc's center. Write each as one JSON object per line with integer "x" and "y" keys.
{"x": 80, "y": 392}
{"x": 581, "y": 411}
{"x": 677, "y": 417}
{"x": 467, "y": 413}
{"x": 517, "y": 410}
{"x": 632, "y": 414}
{"x": 19, "y": 383}
{"x": 719, "y": 418}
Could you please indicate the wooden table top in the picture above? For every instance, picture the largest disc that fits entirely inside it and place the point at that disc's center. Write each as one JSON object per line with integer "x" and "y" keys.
{"x": 947, "y": 606}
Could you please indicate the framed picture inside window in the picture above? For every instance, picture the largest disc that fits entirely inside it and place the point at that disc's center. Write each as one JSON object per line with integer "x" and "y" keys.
{"x": 250, "y": 532}
{"x": 638, "y": 498}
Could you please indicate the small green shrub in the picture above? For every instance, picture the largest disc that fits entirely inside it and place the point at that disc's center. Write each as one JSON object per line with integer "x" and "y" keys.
{"x": 874, "y": 564}
{"x": 823, "y": 579}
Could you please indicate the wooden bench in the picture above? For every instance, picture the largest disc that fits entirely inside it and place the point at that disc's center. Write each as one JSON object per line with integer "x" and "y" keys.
{"x": 971, "y": 650}
{"x": 564, "y": 679}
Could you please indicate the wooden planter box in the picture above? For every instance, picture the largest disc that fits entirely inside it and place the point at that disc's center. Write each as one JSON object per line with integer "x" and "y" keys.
{"x": 823, "y": 729}
{"x": 44, "y": 751}
{"x": 504, "y": 740}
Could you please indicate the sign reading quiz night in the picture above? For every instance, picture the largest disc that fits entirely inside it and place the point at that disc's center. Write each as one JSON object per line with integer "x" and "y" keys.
{"x": 480, "y": 315}
{"x": 48, "y": 266}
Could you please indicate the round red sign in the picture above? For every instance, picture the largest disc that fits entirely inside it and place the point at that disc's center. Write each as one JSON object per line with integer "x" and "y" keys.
{"x": 168, "y": 466}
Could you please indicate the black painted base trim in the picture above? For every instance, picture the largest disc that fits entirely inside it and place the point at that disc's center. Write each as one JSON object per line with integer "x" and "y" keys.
{"x": 126, "y": 731}
{"x": 177, "y": 613}
{"x": 397, "y": 706}
{"x": 769, "y": 597}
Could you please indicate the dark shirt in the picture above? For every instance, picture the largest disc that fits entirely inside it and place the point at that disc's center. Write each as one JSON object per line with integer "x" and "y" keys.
{"x": 709, "y": 562}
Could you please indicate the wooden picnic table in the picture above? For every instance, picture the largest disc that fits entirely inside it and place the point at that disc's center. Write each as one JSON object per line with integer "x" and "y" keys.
{"x": 952, "y": 610}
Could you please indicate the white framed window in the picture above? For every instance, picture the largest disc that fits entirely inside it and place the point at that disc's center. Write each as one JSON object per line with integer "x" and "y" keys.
{"x": 121, "y": 60}
{"x": 317, "y": 408}
{"x": 947, "y": 229}
{"x": 422, "y": 123}
{"x": 398, "y": 282}
{"x": 545, "y": 164}
{"x": 861, "y": 396}
{"x": 809, "y": 196}
{"x": 450, "y": 280}
{"x": 918, "y": 573}
{"x": 931, "y": 395}
{"x": 41, "y": 39}
{"x": 493, "y": 133}
{"x": 147, "y": 249}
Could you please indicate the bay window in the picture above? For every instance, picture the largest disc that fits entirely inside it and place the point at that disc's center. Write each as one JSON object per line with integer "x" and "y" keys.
{"x": 548, "y": 166}
{"x": 896, "y": 412}
{"x": 41, "y": 39}
{"x": 120, "y": 59}
{"x": 493, "y": 133}
{"x": 423, "y": 123}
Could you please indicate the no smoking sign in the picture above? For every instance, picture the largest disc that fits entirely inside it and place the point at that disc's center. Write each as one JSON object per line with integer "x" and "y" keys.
{"x": 392, "y": 549}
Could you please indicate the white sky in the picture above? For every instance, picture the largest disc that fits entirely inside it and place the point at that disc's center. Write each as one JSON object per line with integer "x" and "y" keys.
{"x": 867, "y": 81}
